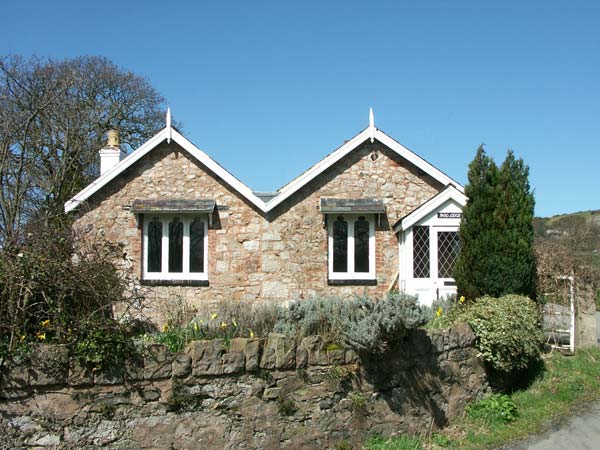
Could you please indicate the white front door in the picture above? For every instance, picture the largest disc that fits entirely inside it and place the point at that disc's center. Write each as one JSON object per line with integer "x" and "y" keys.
{"x": 430, "y": 253}
{"x": 445, "y": 248}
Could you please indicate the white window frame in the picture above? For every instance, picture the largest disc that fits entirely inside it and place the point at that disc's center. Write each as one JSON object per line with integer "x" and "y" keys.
{"x": 185, "y": 274}
{"x": 351, "y": 274}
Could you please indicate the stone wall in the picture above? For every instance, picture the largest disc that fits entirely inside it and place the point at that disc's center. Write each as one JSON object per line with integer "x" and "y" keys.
{"x": 253, "y": 256}
{"x": 249, "y": 394}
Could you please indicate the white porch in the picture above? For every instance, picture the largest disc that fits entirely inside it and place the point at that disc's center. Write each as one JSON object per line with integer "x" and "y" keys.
{"x": 429, "y": 245}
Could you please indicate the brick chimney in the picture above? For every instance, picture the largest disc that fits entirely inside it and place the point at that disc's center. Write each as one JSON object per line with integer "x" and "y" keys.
{"x": 112, "y": 153}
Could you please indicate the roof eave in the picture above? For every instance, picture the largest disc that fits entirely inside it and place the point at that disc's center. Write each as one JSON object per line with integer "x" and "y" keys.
{"x": 448, "y": 193}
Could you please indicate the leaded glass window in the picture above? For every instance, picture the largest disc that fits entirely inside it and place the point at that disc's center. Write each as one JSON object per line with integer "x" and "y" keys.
{"x": 351, "y": 247}
{"x": 340, "y": 245}
{"x": 361, "y": 245}
{"x": 448, "y": 251}
{"x": 155, "y": 232}
{"x": 421, "y": 258}
{"x": 175, "y": 245}
{"x": 197, "y": 246}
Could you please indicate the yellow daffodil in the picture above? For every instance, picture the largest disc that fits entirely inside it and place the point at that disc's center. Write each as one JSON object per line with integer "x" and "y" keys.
{"x": 213, "y": 316}
{"x": 40, "y": 336}
{"x": 461, "y": 299}
{"x": 439, "y": 312}
{"x": 251, "y": 333}
{"x": 196, "y": 327}
{"x": 223, "y": 325}
{"x": 22, "y": 337}
{"x": 45, "y": 323}
{"x": 165, "y": 328}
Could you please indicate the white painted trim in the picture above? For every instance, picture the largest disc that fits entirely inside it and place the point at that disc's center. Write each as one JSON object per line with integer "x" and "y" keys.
{"x": 161, "y": 136}
{"x": 285, "y": 192}
{"x": 298, "y": 183}
{"x": 351, "y": 274}
{"x": 164, "y": 274}
{"x": 126, "y": 162}
{"x": 450, "y": 192}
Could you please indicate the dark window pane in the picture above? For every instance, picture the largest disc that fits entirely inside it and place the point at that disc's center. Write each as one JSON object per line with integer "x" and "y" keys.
{"x": 448, "y": 251}
{"x": 176, "y": 245}
{"x": 340, "y": 245}
{"x": 197, "y": 246}
{"x": 421, "y": 267}
{"x": 154, "y": 245}
{"x": 361, "y": 245}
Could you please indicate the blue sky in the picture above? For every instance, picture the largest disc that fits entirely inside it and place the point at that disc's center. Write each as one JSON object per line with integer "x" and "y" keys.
{"x": 269, "y": 88}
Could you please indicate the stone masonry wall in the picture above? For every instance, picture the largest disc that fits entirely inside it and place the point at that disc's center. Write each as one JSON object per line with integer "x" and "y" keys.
{"x": 279, "y": 257}
{"x": 250, "y": 394}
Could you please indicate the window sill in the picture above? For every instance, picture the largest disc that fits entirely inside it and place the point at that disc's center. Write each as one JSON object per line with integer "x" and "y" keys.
{"x": 174, "y": 282}
{"x": 352, "y": 282}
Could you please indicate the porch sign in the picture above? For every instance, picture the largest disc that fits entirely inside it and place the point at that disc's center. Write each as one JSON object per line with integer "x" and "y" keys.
{"x": 449, "y": 215}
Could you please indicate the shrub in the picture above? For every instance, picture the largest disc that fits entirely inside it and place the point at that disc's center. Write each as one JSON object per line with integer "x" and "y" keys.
{"x": 324, "y": 316}
{"x": 53, "y": 284}
{"x": 497, "y": 408}
{"x": 373, "y": 326}
{"x": 508, "y": 330}
{"x": 103, "y": 346}
{"x": 359, "y": 322}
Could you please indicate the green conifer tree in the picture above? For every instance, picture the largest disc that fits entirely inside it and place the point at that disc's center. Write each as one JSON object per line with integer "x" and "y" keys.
{"x": 515, "y": 214}
{"x": 496, "y": 231}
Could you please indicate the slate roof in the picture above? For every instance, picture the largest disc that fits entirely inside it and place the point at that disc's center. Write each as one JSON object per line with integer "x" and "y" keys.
{"x": 266, "y": 196}
{"x": 178, "y": 206}
{"x": 357, "y": 205}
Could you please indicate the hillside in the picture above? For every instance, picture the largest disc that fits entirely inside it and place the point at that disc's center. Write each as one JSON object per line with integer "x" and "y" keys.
{"x": 580, "y": 231}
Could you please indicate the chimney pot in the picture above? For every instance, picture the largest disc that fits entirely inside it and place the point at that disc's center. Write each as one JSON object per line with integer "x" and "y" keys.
{"x": 112, "y": 153}
{"x": 113, "y": 138}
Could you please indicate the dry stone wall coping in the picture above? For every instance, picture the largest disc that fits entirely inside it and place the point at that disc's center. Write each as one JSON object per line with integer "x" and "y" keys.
{"x": 49, "y": 365}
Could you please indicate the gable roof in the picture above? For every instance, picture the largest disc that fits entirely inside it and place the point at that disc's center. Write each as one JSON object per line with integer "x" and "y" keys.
{"x": 258, "y": 199}
{"x": 165, "y": 134}
{"x": 449, "y": 193}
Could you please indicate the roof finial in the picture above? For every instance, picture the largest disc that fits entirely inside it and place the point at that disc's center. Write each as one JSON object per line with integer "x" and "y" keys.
{"x": 371, "y": 125}
{"x": 168, "y": 125}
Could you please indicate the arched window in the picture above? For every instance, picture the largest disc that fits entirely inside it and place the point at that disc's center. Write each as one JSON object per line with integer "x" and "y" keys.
{"x": 340, "y": 245}
{"x": 361, "y": 245}
{"x": 197, "y": 246}
{"x": 175, "y": 247}
{"x": 154, "y": 251}
{"x": 351, "y": 247}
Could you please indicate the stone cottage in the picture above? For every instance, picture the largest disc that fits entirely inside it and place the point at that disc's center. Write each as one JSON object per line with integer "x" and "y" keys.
{"x": 371, "y": 216}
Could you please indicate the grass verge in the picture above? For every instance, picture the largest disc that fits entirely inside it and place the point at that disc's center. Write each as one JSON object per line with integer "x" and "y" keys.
{"x": 564, "y": 384}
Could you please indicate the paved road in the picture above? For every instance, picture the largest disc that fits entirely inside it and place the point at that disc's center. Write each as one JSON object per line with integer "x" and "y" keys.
{"x": 577, "y": 433}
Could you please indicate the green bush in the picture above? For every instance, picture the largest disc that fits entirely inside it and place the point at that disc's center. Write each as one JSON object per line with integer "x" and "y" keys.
{"x": 497, "y": 408}
{"x": 360, "y": 323}
{"x": 373, "y": 326}
{"x": 54, "y": 283}
{"x": 509, "y": 336}
{"x": 324, "y": 316}
{"x": 101, "y": 347}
